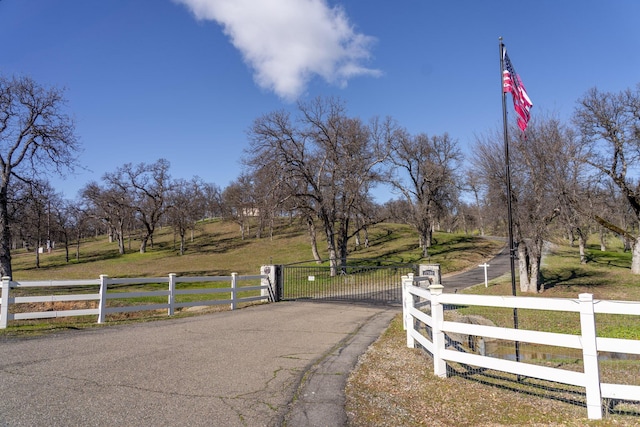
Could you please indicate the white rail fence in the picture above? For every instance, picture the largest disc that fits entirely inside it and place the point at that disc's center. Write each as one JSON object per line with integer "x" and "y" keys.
{"x": 103, "y": 295}
{"x": 588, "y": 341}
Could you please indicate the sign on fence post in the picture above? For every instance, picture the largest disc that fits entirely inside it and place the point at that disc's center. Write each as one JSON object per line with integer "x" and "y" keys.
{"x": 432, "y": 272}
{"x": 4, "y": 302}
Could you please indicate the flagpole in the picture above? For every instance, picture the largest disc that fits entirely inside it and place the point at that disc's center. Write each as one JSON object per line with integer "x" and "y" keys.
{"x": 512, "y": 250}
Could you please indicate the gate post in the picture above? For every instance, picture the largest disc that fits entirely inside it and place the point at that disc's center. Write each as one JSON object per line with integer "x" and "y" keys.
{"x": 172, "y": 294}
{"x": 271, "y": 291}
{"x": 432, "y": 273}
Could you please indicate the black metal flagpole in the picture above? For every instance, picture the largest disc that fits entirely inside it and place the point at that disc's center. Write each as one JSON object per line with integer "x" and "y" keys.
{"x": 512, "y": 249}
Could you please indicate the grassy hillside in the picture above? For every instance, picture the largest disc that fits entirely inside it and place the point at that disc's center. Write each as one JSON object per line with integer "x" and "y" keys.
{"x": 217, "y": 249}
{"x": 606, "y": 275}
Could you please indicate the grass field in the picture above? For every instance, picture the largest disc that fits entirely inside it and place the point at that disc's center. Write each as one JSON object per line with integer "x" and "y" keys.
{"x": 217, "y": 249}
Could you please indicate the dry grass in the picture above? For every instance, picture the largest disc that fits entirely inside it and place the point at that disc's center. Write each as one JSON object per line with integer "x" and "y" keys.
{"x": 394, "y": 386}
{"x": 216, "y": 249}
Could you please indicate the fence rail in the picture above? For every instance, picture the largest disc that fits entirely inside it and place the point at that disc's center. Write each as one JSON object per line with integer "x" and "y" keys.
{"x": 426, "y": 307}
{"x": 103, "y": 294}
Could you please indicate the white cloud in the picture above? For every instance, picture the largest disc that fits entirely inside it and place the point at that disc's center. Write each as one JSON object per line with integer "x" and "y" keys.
{"x": 288, "y": 42}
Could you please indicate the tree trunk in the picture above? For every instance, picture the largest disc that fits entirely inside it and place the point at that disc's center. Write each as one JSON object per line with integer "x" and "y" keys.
{"x": 582, "y": 244}
{"x": 534, "y": 274}
{"x": 66, "y": 249}
{"x": 271, "y": 226}
{"x": 635, "y": 258}
{"x": 523, "y": 267}
{"x": 143, "y": 244}
{"x": 120, "y": 237}
{"x": 366, "y": 237}
{"x": 424, "y": 241}
{"x": 343, "y": 249}
{"x": 331, "y": 246}
{"x": 333, "y": 262}
{"x": 529, "y": 257}
{"x": 182, "y": 233}
{"x": 603, "y": 240}
{"x": 311, "y": 226}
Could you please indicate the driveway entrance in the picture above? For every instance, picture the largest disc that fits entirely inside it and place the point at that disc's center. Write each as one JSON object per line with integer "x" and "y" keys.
{"x": 240, "y": 368}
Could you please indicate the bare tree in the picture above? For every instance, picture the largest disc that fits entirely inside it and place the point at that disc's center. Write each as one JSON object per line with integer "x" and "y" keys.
{"x": 32, "y": 215}
{"x": 543, "y": 179}
{"x": 212, "y": 196}
{"x": 610, "y": 124}
{"x": 326, "y": 160}
{"x": 147, "y": 186}
{"x": 188, "y": 205}
{"x": 424, "y": 172}
{"x": 77, "y": 219}
{"x": 239, "y": 203}
{"x": 35, "y": 133}
{"x": 110, "y": 205}
{"x": 472, "y": 183}
{"x": 65, "y": 219}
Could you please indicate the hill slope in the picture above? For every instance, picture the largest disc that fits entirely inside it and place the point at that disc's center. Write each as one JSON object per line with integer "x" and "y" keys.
{"x": 217, "y": 249}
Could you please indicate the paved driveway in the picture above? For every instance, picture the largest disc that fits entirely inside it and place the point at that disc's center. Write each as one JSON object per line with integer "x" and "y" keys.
{"x": 498, "y": 266}
{"x": 259, "y": 366}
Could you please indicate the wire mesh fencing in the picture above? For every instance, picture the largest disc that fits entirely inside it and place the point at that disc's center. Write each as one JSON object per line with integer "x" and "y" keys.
{"x": 545, "y": 356}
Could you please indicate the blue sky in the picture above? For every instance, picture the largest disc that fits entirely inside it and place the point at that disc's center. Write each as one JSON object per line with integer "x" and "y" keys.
{"x": 183, "y": 80}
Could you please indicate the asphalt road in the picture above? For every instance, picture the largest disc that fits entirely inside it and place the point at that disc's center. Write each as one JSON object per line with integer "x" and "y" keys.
{"x": 268, "y": 365}
{"x": 498, "y": 266}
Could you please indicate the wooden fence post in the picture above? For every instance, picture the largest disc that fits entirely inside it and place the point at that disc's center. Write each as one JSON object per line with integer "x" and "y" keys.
{"x": 172, "y": 293}
{"x": 408, "y": 302}
{"x": 590, "y": 357}
{"x": 103, "y": 297}
{"x": 234, "y": 290}
{"x": 4, "y": 302}
{"x": 437, "y": 315}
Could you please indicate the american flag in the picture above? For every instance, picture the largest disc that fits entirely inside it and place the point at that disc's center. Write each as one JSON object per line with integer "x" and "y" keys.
{"x": 511, "y": 83}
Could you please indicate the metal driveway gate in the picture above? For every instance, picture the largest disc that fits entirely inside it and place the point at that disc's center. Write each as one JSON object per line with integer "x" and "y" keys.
{"x": 360, "y": 283}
